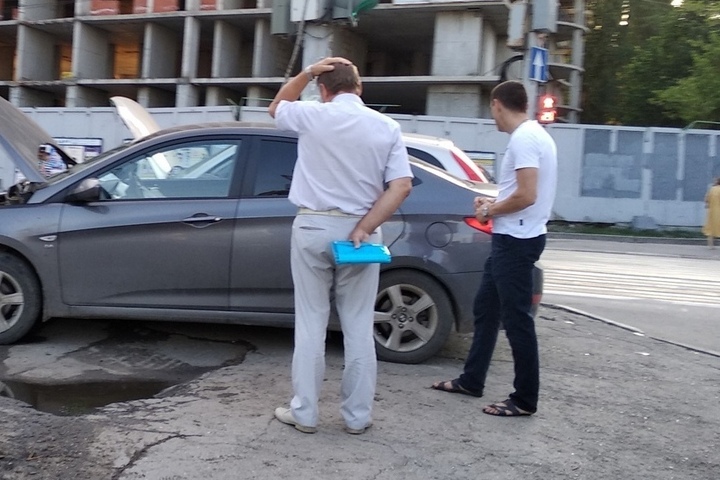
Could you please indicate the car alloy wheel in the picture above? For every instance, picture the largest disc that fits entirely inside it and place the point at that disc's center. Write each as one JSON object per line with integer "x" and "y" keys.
{"x": 19, "y": 299}
{"x": 413, "y": 317}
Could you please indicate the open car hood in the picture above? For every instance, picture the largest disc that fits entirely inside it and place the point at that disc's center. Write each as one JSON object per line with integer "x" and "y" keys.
{"x": 135, "y": 117}
{"x": 20, "y": 138}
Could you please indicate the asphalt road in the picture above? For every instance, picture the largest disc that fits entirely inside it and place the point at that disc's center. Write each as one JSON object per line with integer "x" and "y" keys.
{"x": 668, "y": 291}
{"x": 614, "y": 404}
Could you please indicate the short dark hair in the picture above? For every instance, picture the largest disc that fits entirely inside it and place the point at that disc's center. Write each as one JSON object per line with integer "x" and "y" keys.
{"x": 512, "y": 95}
{"x": 344, "y": 78}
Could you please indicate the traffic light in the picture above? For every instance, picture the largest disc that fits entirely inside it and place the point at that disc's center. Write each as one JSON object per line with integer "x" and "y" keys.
{"x": 547, "y": 109}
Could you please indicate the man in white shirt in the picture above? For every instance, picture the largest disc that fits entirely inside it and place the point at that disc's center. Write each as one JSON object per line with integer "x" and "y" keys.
{"x": 526, "y": 191}
{"x": 347, "y": 153}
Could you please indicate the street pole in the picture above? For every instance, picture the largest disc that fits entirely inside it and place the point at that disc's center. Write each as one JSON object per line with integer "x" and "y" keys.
{"x": 543, "y": 21}
{"x": 531, "y": 86}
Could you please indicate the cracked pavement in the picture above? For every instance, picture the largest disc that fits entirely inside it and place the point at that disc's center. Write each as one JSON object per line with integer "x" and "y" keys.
{"x": 613, "y": 404}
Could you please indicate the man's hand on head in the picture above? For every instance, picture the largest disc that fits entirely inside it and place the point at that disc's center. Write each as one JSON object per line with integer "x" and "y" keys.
{"x": 326, "y": 65}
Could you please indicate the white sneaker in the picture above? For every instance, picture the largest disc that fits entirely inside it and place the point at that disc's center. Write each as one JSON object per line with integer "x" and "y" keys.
{"x": 358, "y": 431}
{"x": 285, "y": 416}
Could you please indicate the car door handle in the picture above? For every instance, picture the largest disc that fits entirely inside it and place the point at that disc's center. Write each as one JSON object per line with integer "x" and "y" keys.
{"x": 202, "y": 218}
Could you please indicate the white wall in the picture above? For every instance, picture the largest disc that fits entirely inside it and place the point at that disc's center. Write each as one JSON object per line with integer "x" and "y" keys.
{"x": 468, "y": 134}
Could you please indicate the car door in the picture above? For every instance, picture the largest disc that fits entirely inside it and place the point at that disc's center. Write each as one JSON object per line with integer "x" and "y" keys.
{"x": 162, "y": 239}
{"x": 261, "y": 279}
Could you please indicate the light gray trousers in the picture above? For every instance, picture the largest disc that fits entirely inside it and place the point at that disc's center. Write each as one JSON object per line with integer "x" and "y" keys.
{"x": 314, "y": 275}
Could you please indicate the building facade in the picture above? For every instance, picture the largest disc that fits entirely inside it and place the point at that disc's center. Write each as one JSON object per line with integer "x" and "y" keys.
{"x": 418, "y": 57}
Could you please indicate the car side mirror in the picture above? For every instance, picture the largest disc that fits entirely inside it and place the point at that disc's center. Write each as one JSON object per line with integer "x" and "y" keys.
{"x": 89, "y": 190}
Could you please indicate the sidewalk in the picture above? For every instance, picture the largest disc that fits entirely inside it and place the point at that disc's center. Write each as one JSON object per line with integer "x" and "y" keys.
{"x": 614, "y": 405}
{"x": 665, "y": 247}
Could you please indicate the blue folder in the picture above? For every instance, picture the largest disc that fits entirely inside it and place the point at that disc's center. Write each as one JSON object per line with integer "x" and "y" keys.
{"x": 345, "y": 252}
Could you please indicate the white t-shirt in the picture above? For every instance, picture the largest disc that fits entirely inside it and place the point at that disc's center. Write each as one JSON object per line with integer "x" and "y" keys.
{"x": 346, "y": 152}
{"x": 530, "y": 146}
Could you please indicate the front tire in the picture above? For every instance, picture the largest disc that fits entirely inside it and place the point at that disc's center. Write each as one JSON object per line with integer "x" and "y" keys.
{"x": 413, "y": 317}
{"x": 20, "y": 299}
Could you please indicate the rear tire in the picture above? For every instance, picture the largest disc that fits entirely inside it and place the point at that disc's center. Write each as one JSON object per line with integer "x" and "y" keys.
{"x": 20, "y": 299}
{"x": 413, "y": 317}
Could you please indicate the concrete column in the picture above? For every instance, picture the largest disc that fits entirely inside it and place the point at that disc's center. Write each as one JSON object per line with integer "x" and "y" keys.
{"x": 317, "y": 44}
{"x": 457, "y": 43}
{"x": 191, "y": 48}
{"x": 35, "y": 55}
{"x": 488, "y": 54}
{"x": 331, "y": 40}
{"x": 187, "y": 95}
{"x": 31, "y": 10}
{"x": 258, "y": 96}
{"x": 456, "y": 52}
{"x": 82, "y": 7}
{"x": 92, "y": 53}
{"x": 159, "y": 52}
{"x": 271, "y": 54}
{"x": 143, "y": 96}
{"x": 80, "y": 96}
{"x": 227, "y": 48}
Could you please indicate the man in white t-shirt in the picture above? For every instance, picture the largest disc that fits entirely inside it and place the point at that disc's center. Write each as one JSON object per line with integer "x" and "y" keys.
{"x": 527, "y": 184}
{"x": 347, "y": 154}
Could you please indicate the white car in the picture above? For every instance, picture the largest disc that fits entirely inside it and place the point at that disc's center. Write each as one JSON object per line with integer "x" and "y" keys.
{"x": 443, "y": 153}
{"x": 440, "y": 152}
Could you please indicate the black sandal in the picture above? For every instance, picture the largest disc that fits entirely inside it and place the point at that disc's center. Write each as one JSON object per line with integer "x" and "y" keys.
{"x": 454, "y": 387}
{"x": 506, "y": 408}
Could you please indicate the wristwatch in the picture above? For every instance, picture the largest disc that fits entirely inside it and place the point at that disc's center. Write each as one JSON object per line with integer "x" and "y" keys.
{"x": 308, "y": 72}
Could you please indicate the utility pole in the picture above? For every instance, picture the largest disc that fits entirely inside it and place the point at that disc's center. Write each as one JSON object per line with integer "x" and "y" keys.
{"x": 319, "y": 26}
{"x": 533, "y": 42}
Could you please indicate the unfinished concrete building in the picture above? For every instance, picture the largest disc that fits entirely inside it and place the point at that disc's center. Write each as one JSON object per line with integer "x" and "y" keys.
{"x": 416, "y": 56}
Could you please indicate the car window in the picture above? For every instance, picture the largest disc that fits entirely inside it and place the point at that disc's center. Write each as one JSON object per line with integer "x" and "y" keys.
{"x": 188, "y": 170}
{"x": 274, "y": 168}
{"x": 422, "y": 155}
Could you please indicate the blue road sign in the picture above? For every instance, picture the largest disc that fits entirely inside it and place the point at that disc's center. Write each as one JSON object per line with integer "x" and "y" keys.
{"x": 539, "y": 64}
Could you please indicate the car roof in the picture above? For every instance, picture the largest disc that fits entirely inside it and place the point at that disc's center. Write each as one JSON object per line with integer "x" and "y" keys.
{"x": 141, "y": 124}
{"x": 420, "y": 139}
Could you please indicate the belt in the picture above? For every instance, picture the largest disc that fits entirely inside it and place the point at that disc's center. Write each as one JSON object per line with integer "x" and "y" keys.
{"x": 335, "y": 212}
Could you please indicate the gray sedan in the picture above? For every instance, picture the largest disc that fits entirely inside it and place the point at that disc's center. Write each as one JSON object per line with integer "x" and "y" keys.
{"x": 193, "y": 224}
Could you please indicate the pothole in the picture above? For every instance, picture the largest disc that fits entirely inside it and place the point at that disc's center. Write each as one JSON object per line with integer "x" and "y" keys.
{"x": 125, "y": 361}
{"x": 79, "y": 398}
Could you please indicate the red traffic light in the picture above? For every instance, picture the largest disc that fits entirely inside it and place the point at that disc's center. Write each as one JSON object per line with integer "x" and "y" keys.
{"x": 547, "y": 111}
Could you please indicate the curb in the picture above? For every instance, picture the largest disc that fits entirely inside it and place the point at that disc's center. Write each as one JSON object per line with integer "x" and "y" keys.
{"x": 626, "y": 239}
{"x": 636, "y": 331}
